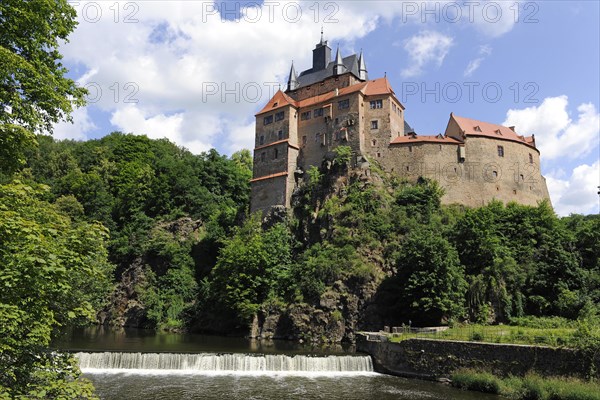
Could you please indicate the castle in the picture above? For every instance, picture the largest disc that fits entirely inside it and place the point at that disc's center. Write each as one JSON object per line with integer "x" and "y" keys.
{"x": 334, "y": 103}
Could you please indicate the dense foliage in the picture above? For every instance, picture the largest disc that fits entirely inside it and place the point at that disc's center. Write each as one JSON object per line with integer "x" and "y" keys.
{"x": 54, "y": 272}
{"x": 430, "y": 263}
{"x": 140, "y": 189}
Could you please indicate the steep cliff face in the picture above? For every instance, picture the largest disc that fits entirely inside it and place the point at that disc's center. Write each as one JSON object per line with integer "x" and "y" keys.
{"x": 342, "y": 308}
{"x": 137, "y": 294}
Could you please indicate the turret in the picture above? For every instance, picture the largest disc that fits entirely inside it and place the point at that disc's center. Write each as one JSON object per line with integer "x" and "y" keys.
{"x": 362, "y": 68}
{"x": 339, "y": 67}
{"x": 293, "y": 79}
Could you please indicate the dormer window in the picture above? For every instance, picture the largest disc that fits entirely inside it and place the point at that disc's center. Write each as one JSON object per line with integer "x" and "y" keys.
{"x": 498, "y": 132}
{"x": 275, "y": 104}
{"x": 477, "y": 128}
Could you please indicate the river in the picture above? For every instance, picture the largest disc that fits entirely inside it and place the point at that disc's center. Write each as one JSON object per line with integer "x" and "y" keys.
{"x": 138, "y": 364}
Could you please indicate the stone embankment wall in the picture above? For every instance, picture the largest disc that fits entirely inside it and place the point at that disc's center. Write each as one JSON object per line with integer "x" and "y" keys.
{"x": 435, "y": 359}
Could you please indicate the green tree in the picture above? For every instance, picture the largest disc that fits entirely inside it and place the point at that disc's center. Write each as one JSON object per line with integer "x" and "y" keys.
{"x": 252, "y": 267}
{"x": 53, "y": 272}
{"x": 34, "y": 91}
{"x": 431, "y": 283}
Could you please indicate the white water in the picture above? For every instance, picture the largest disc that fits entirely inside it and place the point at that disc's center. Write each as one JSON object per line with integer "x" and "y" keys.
{"x": 219, "y": 364}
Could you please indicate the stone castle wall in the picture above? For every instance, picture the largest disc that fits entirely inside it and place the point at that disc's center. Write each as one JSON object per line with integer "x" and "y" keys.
{"x": 481, "y": 177}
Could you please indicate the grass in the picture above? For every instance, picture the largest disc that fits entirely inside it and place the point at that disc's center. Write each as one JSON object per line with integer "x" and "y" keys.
{"x": 554, "y": 337}
{"x": 530, "y": 387}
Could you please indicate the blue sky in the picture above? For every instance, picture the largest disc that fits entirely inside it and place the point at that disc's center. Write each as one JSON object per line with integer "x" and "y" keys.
{"x": 187, "y": 72}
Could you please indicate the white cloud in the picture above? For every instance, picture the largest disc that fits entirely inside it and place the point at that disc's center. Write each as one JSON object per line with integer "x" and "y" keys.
{"x": 425, "y": 48}
{"x": 171, "y": 60}
{"x": 164, "y": 54}
{"x": 557, "y": 135}
{"x": 81, "y": 125}
{"x": 578, "y": 193}
{"x": 474, "y": 64}
{"x": 495, "y": 18}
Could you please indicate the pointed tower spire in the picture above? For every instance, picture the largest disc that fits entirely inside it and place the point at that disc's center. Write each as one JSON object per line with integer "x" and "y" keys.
{"x": 339, "y": 67}
{"x": 293, "y": 79}
{"x": 362, "y": 68}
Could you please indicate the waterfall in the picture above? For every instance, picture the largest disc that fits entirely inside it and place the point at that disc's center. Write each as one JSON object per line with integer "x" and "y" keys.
{"x": 206, "y": 363}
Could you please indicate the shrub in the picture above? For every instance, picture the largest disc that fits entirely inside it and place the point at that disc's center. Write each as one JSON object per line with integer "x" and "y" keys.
{"x": 478, "y": 381}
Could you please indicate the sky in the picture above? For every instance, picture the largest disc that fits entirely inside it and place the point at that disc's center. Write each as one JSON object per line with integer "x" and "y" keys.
{"x": 196, "y": 72}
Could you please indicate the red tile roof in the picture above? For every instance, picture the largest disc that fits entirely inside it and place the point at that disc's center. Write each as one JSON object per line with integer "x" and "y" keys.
{"x": 413, "y": 138}
{"x": 473, "y": 127}
{"x": 278, "y": 100}
{"x": 369, "y": 88}
{"x": 277, "y": 142}
{"x": 262, "y": 178}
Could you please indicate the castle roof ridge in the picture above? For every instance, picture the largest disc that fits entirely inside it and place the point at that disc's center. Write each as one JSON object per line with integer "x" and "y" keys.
{"x": 473, "y": 127}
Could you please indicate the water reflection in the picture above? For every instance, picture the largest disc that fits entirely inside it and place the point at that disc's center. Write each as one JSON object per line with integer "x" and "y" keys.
{"x": 100, "y": 338}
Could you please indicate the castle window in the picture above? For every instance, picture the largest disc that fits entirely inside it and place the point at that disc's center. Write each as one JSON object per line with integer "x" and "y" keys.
{"x": 279, "y": 116}
{"x": 378, "y": 155}
{"x": 262, "y": 156}
{"x": 304, "y": 116}
{"x": 304, "y": 140}
{"x": 500, "y": 151}
{"x": 261, "y": 140}
{"x": 317, "y": 137}
{"x": 337, "y": 135}
{"x": 268, "y": 120}
{"x": 374, "y": 124}
{"x": 376, "y": 104}
{"x": 318, "y": 112}
{"x": 337, "y": 121}
{"x": 495, "y": 174}
{"x": 514, "y": 191}
{"x": 275, "y": 154}
{"x": 374, "y": 142}
{"x": 280, "y": 135}
{"x": 522, "y": 177}
{"x": 344, "y": 104}
{"x": 394, "y": 107}
{"x": 410, "y": 149}
{"x": 440, "y": 147}
{"x": 530, "y": 158}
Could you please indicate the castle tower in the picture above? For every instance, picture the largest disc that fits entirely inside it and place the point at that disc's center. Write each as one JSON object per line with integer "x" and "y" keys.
{"x": 331, "y": 104}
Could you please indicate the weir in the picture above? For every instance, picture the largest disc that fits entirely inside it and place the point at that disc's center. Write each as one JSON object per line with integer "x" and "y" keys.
{"x": 210, "y": 363}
